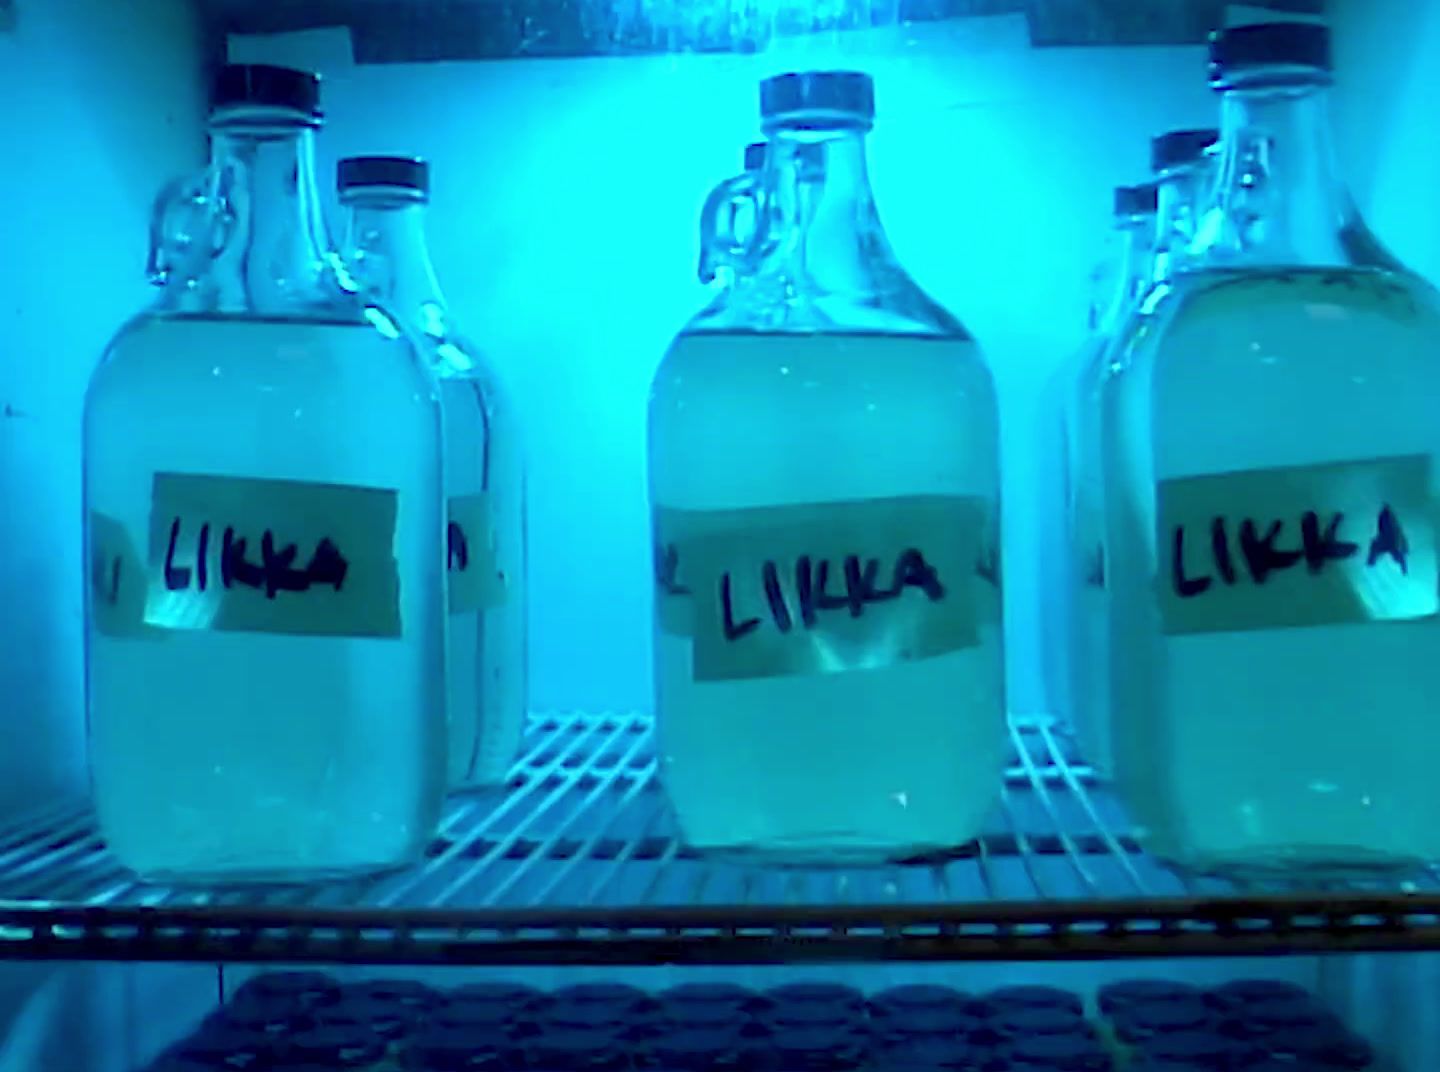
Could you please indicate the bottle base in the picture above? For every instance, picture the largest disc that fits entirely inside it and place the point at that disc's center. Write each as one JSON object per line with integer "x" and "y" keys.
{"x": 1307, "y": 866}
{"x": 261, "y": 877}
{"x": 809, "y": 856}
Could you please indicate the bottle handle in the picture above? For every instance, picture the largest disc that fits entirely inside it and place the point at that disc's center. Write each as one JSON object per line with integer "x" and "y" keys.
{"x": 722, "y": 245}
{"x": 189, "y": 225}
{"x": 1249, "y": 193}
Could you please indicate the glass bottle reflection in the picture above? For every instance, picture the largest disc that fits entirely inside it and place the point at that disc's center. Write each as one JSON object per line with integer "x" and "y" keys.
{"x": 385, "y": 249}
{"x": 1070, "y": 481}
{"x": 1183, "y": 164}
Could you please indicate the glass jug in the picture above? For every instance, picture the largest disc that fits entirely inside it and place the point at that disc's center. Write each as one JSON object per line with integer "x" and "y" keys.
{"x": 1067, "y": 657}
{"x": 824, "y": 496}
{"x": 265, "y": 617}
{"x": 385, "y": 250}
{"x": 1183, "y": 164}
{"x": 1269, "y": 449}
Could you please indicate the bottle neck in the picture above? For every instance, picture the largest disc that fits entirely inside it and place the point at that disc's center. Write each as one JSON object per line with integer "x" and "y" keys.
{"x": 1279, "y": 199}
{"x": 1135, "y": 239}
{"x": 1182, "y": 195}
{"x": 387, "y": 254}
{"x": 824, "y": 233}
{"x": 273, "y": 258}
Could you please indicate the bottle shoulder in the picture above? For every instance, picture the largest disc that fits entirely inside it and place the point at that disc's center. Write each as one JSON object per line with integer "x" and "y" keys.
{"x": 1203, "y": 313}
{"x": 226, "y": 358}
{"x": 1393, "y": 293}
{"x": 767, "y": 374}
{"x": 774, "y": 302}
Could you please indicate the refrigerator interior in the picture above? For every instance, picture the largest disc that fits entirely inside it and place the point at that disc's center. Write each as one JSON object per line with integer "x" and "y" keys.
{"x": 565, "y": 204}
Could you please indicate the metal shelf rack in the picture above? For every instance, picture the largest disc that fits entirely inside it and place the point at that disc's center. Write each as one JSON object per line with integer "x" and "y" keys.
{"x": 578, "y": 860}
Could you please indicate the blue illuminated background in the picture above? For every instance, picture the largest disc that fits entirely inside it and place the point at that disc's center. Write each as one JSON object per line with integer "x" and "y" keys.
{"x": 565, "y": 205}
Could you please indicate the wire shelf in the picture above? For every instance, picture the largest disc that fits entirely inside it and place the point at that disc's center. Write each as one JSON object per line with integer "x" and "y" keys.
{"x": 578, "y": 859}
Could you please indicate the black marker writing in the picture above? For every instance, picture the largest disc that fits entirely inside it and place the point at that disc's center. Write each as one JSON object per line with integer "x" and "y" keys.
{"x": 770, "y": 575}
{"x": 988, "y": 568}
{"x": 234, "y": 569}
{"x": 1322, "y": 547}
{"x": 177, "y": 578}
{"x": 1185, "y": 587}
{"x": 1095, "y": 569}
{"x": 327, "y": 565}
{"x": 805, "y": 591}
{"x": 1390, "y": 540}
{"x": 1262, "y": 557}
{"x": 858, "y": 577}
{"x": 667, "y": 570}
{"x": 733, "y": 631}
{"x": 107, "y": 590}
{"x": 1277, "y": 548}
{"x": 457, "y": 548}
{"x": 274, "y": 573}
{"x": 202, "y": 558}
{"x": 1220, "y": 547}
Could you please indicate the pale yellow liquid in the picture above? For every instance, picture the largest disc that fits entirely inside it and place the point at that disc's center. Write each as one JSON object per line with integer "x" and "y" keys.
{"x": 836, "y": 767}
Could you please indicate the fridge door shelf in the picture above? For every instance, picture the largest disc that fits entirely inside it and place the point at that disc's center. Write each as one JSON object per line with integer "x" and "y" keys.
{"x": 578, "y": 860}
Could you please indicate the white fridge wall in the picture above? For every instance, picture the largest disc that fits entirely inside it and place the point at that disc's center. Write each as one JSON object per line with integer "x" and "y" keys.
{"x": 1388, "y": 53}
{"x": 99, "y": 103}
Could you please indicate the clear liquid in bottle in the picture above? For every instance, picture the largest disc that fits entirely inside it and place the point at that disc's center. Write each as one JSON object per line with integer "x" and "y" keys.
{"x": 824, "y": 486}
{"x": 257, "y": 755}
{"x": 1300, "y": 746}
{"x": 872, "y": 752}
{"x": 265, "y": 643}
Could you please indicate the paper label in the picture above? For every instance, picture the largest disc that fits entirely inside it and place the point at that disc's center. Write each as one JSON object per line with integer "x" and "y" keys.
{"x": 237, "y": 554}
{"x": 1300, "y": 546}
{"x": 828, "y": 587}
{"x": 117, "y": 580}
{"x": 473, "y": 569}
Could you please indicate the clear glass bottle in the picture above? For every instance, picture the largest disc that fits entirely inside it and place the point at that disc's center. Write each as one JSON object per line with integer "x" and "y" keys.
{"x": 1269, "y": 441}
{"x": 265, "y": 615}
{"x": 386, "y": 199}
{"x": 1127, "y": 264}
{"x": 1183, "y": 163}
{"x": 824, "y": 496}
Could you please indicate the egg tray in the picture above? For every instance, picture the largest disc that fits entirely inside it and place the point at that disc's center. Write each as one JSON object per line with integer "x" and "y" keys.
{"x": 305, "y": 1021}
